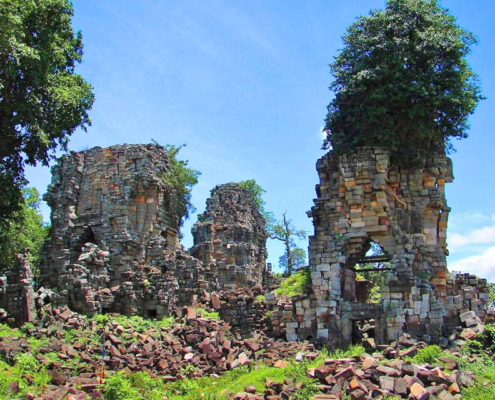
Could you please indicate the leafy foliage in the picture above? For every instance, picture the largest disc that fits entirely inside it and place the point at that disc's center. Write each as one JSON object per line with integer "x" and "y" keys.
{"x": 484, "y": 369}
{"x": 42, "y": 100}
{"x": 180, "y": 180}
{"x": 24, "y": 231}
{"x": 484, "y": 342}
{"x": 428, "y": 355}
{"x": 402, "y": 81}
{"x": 295, "y": 284}
{"x": 256, "y": 193}
{"x": 31, "y": 376}
{"x": 207, "y": 314}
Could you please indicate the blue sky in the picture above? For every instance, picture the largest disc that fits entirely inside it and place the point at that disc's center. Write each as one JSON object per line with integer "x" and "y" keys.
{"x": 245, "y": 85}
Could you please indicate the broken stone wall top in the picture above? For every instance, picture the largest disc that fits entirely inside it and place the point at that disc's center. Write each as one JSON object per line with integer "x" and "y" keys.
{"x": 230, "y": 236}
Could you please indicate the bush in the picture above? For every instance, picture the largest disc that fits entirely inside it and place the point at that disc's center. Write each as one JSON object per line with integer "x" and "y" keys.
{"x": 428, "y": 355}
{"x": 484, "y": 342}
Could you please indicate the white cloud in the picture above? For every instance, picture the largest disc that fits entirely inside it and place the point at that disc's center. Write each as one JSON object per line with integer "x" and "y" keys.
{"x": 323, "y": 133}
{"x": 483, "y": 235}
{"x": 482, "y": 265}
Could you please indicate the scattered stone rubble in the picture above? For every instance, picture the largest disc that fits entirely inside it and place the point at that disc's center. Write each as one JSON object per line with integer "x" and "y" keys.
{"x": 208, "y": 345}
{"x": 212, "y": 348}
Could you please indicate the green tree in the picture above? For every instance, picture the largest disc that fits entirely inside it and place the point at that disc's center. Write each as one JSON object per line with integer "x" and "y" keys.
{"x": 285, "y": 231}
{"x": 256, "y": 194}
{"x": 402, "y": 81}
{"x": 25, "y": 231}
{"x": 180, "y": 180}
{"x": 42, "y": 100}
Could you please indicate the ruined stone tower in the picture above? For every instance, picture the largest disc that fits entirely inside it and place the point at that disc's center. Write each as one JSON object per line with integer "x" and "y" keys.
{"x": 363, "y": 199}
{"x": 114, "y": 243}
{"x": 230, "y": 237}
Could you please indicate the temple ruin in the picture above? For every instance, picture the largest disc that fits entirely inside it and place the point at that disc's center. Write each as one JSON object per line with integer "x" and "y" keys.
{"x": 362, "y": 199}
{"x": 230, "y": 237}
{"x": 114, "y": 247}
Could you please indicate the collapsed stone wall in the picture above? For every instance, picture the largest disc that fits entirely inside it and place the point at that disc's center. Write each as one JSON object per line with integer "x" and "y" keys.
{"x": 114, "y": 245}
{"x": 363, "y": 199}
{"x": 17, "y": 293}
{"x": 230, "y": 238}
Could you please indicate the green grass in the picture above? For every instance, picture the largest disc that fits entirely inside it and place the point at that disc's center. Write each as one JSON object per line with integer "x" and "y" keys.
{"x": 484, "y": 370}
{"x": 6, "y": 330}
{"x": 25, "y": 369}
{"x": 294, "y": 285}
{"x": 137, "y": 386}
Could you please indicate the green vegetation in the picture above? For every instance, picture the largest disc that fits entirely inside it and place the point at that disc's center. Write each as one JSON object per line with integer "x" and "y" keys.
{"x": 24, "y": 231}
{"x": 139, "y": 324}
{"x": 42, "y": 100}
{"x": 484, "y": 342}
{"x": 428, "y": 355}
{"x": 256, "y": 194}
{"x": 295, "y": 284}
{"x": 180, "y": 180}
{"x": 484, "y": 370}
{"x": 207, "y": 314}
{"x": 28, "y": 372}
{"x": 402, "y": 81}
{"x": 378, "y": 279}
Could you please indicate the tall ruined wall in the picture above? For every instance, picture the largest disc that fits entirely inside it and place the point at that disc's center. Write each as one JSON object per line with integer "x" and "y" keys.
{"x": 230, "y": 238}
{"x": 114, "y": 243}
{"x": 362, "y": 198}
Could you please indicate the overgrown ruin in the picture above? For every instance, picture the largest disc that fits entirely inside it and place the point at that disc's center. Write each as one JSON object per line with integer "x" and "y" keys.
{"x": 114, "y": 248}
{"x": 363, "y": 198}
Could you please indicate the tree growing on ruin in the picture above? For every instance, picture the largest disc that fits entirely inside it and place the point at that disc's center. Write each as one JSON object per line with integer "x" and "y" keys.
{"x": 285, "y": 231}
{"x": 402, "y": 81}
{"x": 180, "y": 179}
{"x": 25, "y": 231}
{"x": 42, "y": 100}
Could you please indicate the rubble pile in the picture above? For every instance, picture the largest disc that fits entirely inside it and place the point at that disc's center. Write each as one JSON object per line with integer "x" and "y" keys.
{"x": 205, "y": 346}
{"x": 373, "y": 376}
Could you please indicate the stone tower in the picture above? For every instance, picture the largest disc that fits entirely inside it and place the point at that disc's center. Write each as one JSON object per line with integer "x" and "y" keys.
{"x": 114, "y": 243}
{"x": 230, "y": 238}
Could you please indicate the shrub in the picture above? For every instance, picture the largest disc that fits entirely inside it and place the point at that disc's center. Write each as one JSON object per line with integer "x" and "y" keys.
{"x": 428, "y": 355}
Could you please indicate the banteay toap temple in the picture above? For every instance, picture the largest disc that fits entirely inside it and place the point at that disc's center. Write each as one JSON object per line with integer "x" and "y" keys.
{"x": 115, "y": 247}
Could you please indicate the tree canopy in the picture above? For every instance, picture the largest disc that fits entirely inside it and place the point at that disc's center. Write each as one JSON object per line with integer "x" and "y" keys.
{"x": 402, "y": 81}
{"x": 42, "y": 100}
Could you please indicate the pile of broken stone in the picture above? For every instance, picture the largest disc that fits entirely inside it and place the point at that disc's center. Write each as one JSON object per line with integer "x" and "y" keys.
{"x": 213, "y": 348}
{"x": 374, "y": 376}
{"x": 207, "y": 344}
